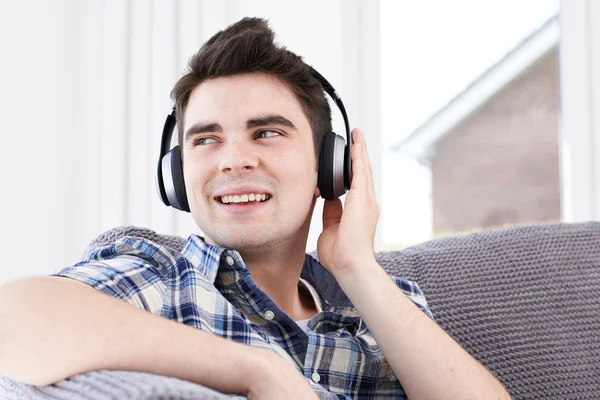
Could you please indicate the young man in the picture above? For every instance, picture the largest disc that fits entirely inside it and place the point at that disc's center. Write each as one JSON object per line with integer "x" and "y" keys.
{"x": 231, "y": 311}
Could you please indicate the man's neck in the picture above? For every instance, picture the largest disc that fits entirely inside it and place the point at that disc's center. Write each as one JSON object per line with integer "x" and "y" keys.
{"x": 277, "y": 273}
{"x": 276, "y": 270}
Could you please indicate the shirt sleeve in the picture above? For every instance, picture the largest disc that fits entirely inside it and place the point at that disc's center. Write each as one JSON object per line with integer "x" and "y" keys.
{"x": 414, "y": 293}
{"x": 130, "y": 269}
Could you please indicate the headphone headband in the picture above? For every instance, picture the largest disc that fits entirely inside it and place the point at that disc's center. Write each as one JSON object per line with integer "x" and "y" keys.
{"x": 328, "y": 88}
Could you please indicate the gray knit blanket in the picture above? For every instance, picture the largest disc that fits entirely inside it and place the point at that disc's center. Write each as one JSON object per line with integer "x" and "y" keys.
{"x": 524, "y": 301}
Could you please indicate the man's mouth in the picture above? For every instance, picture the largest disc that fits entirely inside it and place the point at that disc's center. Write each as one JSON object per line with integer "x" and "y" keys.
{"x": 244, "y": 198}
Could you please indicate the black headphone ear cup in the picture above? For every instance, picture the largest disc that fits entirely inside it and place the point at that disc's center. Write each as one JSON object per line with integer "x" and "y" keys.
{"x": 325, "y": 181}
{"x": 348, "y": 166}
{"x": 174, "y": 184}
{"x": 178, "y": 181}
{"x": 331, "y": 166}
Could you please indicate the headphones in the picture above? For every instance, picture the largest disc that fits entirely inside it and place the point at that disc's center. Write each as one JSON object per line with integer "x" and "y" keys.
{"x": 335, "y": 170}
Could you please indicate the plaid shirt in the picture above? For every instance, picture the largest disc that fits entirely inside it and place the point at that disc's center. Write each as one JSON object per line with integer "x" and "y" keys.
{"x": 211, "y": 289}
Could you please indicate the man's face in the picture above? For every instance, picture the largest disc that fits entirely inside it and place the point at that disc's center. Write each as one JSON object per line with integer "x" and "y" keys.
{"x": 246, "y": 138}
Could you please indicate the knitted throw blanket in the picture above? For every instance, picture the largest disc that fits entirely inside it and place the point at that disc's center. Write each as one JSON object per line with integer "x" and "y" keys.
{"x": 524, "y": 301}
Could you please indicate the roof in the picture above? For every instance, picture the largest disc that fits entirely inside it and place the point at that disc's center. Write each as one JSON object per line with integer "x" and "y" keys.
{"x": 513, "y": 64}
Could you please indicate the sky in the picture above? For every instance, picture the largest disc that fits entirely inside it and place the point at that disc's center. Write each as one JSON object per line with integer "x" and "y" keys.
{"x": 430, "y": 51}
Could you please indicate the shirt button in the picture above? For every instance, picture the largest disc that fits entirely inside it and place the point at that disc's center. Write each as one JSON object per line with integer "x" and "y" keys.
{"x": 269, "y": 315}
{"x": 316, "y": 377}
{"x": 392, "y": 378}
{"x": 229, "y": 260}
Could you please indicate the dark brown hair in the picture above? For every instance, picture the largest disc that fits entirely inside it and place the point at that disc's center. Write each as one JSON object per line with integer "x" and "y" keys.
{"x": 248, "y": 46}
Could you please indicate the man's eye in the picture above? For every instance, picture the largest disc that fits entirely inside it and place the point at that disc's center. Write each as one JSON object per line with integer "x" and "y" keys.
{"x": 204, "y": 140}
{"x": 267, "y": 134}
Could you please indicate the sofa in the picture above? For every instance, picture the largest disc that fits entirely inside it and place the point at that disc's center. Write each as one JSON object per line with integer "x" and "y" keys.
{"x": 524, "y": 301}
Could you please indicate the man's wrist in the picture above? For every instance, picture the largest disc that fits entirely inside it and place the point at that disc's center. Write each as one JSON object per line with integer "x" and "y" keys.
{"x": 357, "y": 265}
{"x": 265, "y": 368}
{"x": 258, "y": 365}
{"x": 358, "y": 270}
{"x": 243, "y": 368}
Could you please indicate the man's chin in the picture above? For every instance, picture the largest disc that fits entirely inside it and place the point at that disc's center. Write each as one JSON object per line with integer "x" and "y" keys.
{"x": 250, "y": 239}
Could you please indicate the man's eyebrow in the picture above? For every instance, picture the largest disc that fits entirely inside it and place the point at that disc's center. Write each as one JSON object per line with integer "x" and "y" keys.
{"x": 271, "y": 119}
{"x": 202, "y": 127}
{"x": 263, "y": 120}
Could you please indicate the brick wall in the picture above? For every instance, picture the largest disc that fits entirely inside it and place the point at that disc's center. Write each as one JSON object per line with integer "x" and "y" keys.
{"x": 500, "y": 165}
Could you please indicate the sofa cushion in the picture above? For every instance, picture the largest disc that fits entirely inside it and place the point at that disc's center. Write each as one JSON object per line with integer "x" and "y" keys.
{"x": 524, "y": 301}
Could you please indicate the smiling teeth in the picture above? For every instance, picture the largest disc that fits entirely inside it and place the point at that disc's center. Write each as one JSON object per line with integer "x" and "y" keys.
{"x": 244, "y": 198}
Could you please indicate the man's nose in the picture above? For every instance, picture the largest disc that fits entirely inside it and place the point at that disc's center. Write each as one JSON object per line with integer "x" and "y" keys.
{"x": 238, "y": 158}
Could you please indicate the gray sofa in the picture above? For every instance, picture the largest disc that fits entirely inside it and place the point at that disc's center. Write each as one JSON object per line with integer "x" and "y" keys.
{"x": 524, "y": 301}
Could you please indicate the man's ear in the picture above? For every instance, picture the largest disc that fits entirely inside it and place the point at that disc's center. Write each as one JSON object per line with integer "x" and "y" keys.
{"x": 317, "y": 193}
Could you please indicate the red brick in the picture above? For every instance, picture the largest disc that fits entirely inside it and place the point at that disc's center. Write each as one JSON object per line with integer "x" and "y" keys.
{"x": 499, "y": 166}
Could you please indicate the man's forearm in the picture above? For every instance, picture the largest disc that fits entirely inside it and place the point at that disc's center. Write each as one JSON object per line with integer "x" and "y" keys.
{"x": 53, "y": 328}
{"x": 428, "y": 362}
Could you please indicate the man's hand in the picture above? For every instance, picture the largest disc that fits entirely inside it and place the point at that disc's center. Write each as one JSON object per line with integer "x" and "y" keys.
{"x": 348, "y": 234}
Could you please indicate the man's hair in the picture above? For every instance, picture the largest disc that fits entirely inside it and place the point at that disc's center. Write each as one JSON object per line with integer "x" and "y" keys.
{"x": 248, "y": 46}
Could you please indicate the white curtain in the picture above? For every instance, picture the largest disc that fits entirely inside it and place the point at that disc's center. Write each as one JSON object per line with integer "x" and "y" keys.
{"x": 580, "y": 109}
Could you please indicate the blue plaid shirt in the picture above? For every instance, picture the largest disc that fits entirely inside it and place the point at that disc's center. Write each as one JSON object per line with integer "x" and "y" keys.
{"x": 211, "y": 289}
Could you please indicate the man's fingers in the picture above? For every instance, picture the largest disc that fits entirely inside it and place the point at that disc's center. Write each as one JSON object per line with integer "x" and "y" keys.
{"x": 356, "y": 135}
{"x": 370, "y": 176}
{"x": 367, "y": 161}
{"x": 332, "y": 212}
{"x": 359, "y": 170}
{"x": 363, "y": 163}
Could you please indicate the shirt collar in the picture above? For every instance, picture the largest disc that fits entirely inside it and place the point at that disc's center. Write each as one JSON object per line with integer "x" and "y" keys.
{"x": 203, "y": 256}
{"x": 208, "y": 259}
